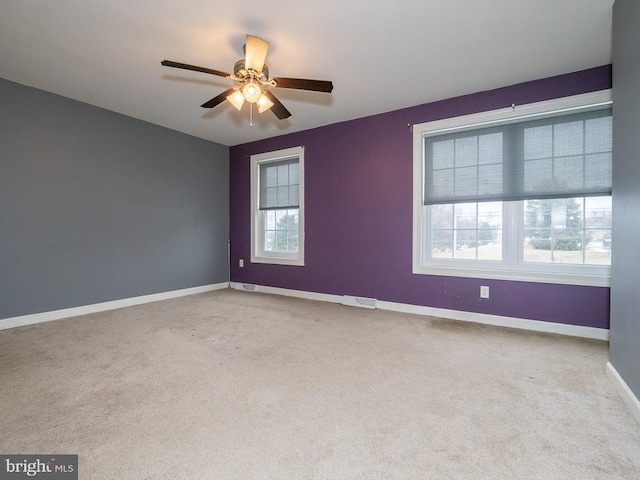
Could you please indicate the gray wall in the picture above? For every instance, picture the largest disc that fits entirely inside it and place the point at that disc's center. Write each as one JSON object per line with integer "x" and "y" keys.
{"x": 625, "y": 276}
{"x": 97, "y": 206}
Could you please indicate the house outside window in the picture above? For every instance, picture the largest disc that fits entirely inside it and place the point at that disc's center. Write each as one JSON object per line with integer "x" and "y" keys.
{"x": 522, "y": 193}
{"x": 277, "y": 207}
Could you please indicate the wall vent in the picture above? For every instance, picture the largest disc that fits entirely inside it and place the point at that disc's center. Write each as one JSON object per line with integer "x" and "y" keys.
{"x": 247, "y": 287}
{"x": 351, "y": 301}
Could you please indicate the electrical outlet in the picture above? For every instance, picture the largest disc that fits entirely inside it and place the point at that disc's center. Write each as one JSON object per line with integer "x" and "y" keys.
{"x": 241, "y": 262}
{"x": 484, "y": 291}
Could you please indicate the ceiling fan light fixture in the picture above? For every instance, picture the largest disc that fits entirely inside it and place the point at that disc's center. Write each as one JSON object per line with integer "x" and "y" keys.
{"x": 264, "y": 103}
{"x": 251, "y": 92}
{"x": 236, "y": 99}
{"x": 254, "y": 81}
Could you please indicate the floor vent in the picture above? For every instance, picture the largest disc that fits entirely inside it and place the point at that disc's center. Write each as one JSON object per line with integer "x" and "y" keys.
{"x": 247, "y": 287}
{"x": 358, "y": 301}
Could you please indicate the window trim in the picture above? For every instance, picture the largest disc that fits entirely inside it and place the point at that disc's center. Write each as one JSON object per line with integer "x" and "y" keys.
{"x": 258, "y": 255}
{"x": 517, "y": 271}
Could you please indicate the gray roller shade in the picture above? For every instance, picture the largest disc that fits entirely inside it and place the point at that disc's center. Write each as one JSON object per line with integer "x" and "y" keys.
{"x": 280, "y": 184}
{"x": 562, "y": 156}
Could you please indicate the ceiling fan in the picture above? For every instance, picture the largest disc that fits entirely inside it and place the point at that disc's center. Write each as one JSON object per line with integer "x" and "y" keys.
{"x": 252, "y": 74}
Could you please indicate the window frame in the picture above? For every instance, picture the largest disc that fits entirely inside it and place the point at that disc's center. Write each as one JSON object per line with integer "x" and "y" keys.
{"x": 512, "y": 266}
{"x": 258, "y": 254}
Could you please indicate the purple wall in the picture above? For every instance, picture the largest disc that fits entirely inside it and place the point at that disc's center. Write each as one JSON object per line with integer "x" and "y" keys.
{"x": 358, "y": 187}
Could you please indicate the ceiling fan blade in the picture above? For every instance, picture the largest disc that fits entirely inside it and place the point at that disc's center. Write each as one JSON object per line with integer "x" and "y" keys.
{"x": 184, "y": 66}
{"x": 304, "y": 84}
{"x": 278, "y": 108}
{"x": 218, "y": 99}
{"x": 255, "y": 53}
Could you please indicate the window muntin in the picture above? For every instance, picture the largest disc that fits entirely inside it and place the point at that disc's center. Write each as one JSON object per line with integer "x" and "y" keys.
{"x": 277, "y": 207}
{"x": 460, "y": 150}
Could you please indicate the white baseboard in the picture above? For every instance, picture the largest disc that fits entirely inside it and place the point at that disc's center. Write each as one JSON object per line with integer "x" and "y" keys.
{"x": 23, "y": 320}
{"x": 628, "y": 397}
{"x": 497, "y": 320}
{"x": 323, "y": 297}
{"x": 509, "y": 322}
{"x": 500, "y": 321}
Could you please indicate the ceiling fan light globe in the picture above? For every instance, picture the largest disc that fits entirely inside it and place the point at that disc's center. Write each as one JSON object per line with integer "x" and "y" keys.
{"x": 236, "y": 99}
{"x": 251, "y": 92}
{"x": 264, "y": 103}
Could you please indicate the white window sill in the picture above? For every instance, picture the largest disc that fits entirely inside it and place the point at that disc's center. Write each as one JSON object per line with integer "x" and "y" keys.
{"x": 516, "y": 275}
{"x": 275, "y": 260}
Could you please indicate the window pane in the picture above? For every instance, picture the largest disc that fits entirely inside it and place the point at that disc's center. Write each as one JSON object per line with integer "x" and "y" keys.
{"x": 294, "y": 195}
{"x": 568, "y": 240}
{"x": 283, "y": 196}
{"x": 597, "y": 170}
{"x": 283, "y": 175}
{"x": 569, "y": 230}
{"x": 294, "y": 174}
{"x": 597, "y": 219}
{"x": 466, "y": 241}
{"x": 465, "y": 215}
{"x": 598, "y": 248}
{"x": 270, "y": 219}
{"x": 537, "y": 245}
{"x": 598, "y": 212}
{"x": 568, "y": 172}
{"x": 443, "y": 154}
{"x": 442, "y": 216}
{"x": 466, "y": 151}
{"x": 466, "y": 181}
{"x": 442, "y": 244}
{"x": 568, "y": 139}
{"x": 538, "y": 142}
{"x": 280, "y": 219}
{"x": 269, "y": 196}
{"x": 281, "y": 241}
{"x": 490, "y": 231}
{"x": 598, "y": 136}
{"x": 467, "y": 231}
{"x": 489, "y": 179}
{"x": 490, "y": 149}
{"x": 281, "y": 230}
{"x": 537, "y": 175}
{"x": 443, "y": 183}
{"x": 269, "y": 240}
{"x": 293, "y": 242}
{"x": 272, "y": 177}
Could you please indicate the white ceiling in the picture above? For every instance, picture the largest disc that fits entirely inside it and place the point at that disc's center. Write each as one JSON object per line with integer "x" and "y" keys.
{"x": 380, "y": 55}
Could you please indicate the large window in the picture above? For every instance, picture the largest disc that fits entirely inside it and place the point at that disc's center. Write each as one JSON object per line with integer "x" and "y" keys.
{"x": 277, "y": 207}
{"x": 522, "y": 193}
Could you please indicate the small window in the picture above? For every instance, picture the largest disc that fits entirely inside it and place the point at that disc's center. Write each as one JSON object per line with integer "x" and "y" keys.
{"x": 277, "y": 207}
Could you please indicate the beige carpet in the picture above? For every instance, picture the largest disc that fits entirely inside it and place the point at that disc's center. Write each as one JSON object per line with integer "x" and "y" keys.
{"x": 237, "y": 385}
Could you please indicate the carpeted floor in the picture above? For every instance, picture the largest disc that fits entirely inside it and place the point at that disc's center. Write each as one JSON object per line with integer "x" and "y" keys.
{"x": 237, "y": 385}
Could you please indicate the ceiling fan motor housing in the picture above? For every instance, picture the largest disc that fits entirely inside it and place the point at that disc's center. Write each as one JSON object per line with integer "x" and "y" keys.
{"x": 241, "y": 72}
